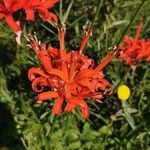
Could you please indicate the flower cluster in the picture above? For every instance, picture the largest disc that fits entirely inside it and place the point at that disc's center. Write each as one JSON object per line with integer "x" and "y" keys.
{"x": 135, "y": 49}
{"x": 8, "y": 9}
{"x": 71, "y": 77}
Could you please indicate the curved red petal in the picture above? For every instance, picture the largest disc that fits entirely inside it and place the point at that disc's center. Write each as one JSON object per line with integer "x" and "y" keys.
{"x": 33, "y": 72}
{"x": 52, "y": 17}
{"x": 38, "y": 84}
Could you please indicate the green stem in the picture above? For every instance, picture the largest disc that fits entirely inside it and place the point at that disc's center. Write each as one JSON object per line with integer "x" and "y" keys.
{"x": 127, "y": 115}
{"x": 135, "y": 130}
{"x": 60, "y": 10}
{"x": 121, "y": 80}
{"x": 99, "y": 116}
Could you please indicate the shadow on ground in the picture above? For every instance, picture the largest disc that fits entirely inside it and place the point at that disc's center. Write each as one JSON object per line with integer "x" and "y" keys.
{"x": 9, "y": 139}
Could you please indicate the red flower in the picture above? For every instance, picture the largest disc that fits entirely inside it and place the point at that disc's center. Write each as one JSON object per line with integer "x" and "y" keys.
{"x": 42, "y": 7}
{"x": 7, "y": 8}
{"x": 51, "y": 16}
{"x": 71, "y": 77}
{"x": 145, "y": 50}
{"x": 133, "y": 50}
{"x": 30, "y": 6}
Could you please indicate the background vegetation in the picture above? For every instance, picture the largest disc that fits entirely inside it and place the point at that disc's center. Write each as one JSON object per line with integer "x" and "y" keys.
{"x": 112, "y": 125}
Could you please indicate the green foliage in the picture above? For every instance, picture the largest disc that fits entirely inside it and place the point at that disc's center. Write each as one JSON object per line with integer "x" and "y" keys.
{"x": 112, "y": 125}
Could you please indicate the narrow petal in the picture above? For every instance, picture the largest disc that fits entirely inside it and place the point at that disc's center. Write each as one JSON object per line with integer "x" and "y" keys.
{"x": 49, "y": 3}
{"x": 73, "y": 102}
{"x": 3, "y": 11}
{"x": 139, "y": 29}
{"x": 45, "y": 96}
{"x": 17, "y": 5}
{"x": 30, "y": 14}
{"x": 2, "y": 15}
{"x": 84, "y": 108}
{"x": 85, "y": 112}
{"x": 8, "y": 3}
{"x": 73, "y": 71}
{"x": 65, "y": 70}
{"x": 96, "y": 95}
{"x": 46, "y": 61}
{"x": 57, "y": 108}
{"x": 13, "y": 25}
{"x": 43, "y": 12}
{"x": 85, "y": 82}
{"x": 61, "y": 35}
{"x": 53, "y": 52}
{"x": 68, "y": 90}
{"x": 87, "y": 73}
{"x": 34, "y": 3}
{"x": 85, "y": 39}
{"x": 2, "y": 8}
{"x": 42, "y": 54}
{"x": 59, "y": 73}
{"x": 109, "y": 57}
{"x": 69, "y": 107}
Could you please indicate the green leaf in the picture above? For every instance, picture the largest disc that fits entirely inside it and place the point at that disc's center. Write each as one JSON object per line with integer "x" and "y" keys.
{"x": 74, "y": 145}
{"x": 66, "y": 14}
